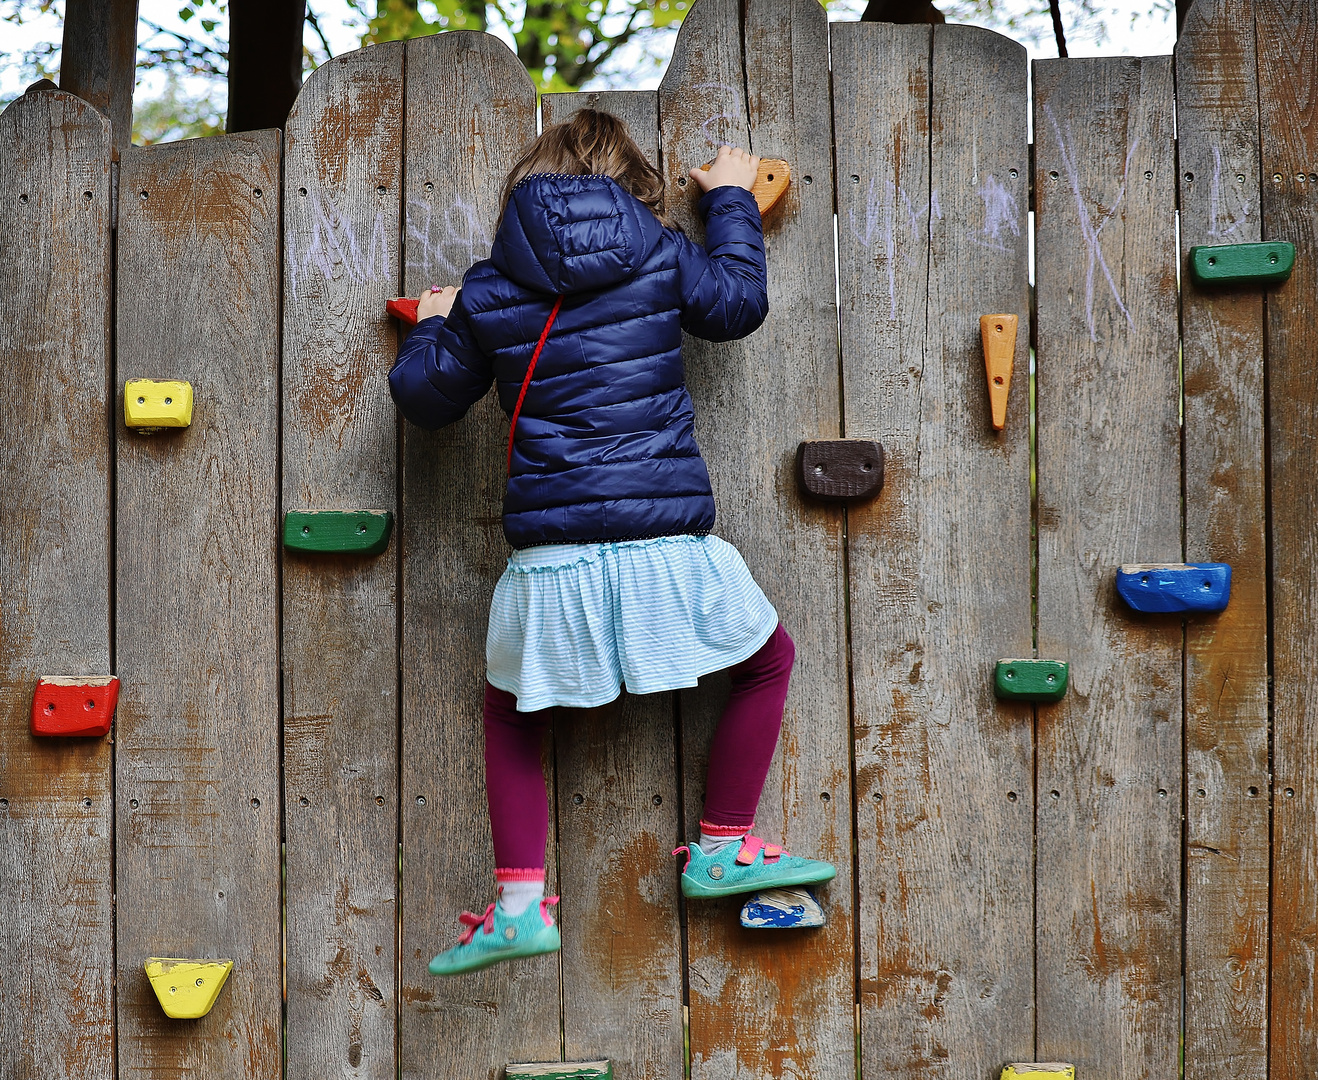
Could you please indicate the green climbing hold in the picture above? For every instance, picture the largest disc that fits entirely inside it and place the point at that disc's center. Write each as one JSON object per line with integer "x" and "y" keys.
{"x": 1030, "y": 680}
{"x": 1243, "y": 264}
{"x": 343, "y": 532}
{"x": 561, "y": 1070}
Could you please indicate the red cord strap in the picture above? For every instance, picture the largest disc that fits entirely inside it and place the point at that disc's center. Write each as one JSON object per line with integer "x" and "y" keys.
{"x": 517, "y": 409}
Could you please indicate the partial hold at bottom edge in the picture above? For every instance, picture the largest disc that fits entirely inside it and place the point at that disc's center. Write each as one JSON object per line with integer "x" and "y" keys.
{"x": 1039, "y": 1070}
{"x": 561, "y": 1070}
{"x": 782, "y": 909}
{"x": 187, "y": 988}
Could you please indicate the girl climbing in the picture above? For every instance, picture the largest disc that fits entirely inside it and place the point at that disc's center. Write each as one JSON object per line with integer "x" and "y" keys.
{"x": 615, "y": 578}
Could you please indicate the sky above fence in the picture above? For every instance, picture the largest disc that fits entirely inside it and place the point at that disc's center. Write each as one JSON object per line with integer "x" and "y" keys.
{"x": 1123, "y": 28}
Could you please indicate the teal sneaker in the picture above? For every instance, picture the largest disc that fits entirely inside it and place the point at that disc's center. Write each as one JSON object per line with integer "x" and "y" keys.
{"x": 756, "y": 865}
{"x": 494, "y": 936}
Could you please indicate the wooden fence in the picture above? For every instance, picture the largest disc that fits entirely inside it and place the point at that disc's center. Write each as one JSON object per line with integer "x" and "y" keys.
{"x": 1126, "y": 880}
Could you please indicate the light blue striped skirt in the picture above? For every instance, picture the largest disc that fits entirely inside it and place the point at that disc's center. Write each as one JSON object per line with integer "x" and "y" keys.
{"x": 571, "y": 623}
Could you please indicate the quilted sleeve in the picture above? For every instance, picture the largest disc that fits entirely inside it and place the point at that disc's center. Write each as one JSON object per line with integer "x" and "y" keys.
{"x": 724, "y": 286}
{"x": 440, "y": 371}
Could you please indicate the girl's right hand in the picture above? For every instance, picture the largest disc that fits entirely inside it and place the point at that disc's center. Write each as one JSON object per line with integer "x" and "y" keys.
{"x": 436, "y": 301}
{"x": 733, "y": 167}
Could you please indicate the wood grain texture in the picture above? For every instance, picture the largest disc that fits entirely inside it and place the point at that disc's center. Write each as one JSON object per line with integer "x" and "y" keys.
{"x": 458, "y": 146}
{"x": 620, "y": 816}
{"x": 1288, "y": 111}
{"x": 1226, "y": 656}
{"x": 98, "y": 59}
{"x": 1109, "y": 485}
{"x": 342, "y": 261}
{"x": 932, "y": 158}
{"x": 197, "y": 824}
{"x": 766, "y": 1004}
{"x": 56, "y": 891}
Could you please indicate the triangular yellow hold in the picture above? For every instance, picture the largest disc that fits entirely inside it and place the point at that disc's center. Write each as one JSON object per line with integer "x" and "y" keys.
{"x": 187, "y": 988}
{"x": 998, "y": 332}
{"x": 1038, "y": 1070}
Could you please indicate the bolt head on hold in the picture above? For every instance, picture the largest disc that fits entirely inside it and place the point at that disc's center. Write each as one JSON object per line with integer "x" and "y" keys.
{"x": 1026, "y": 679}
{"x": 81, "y": 705}
{"x": 150, "y": 405}
{"x": 187, "y": 989}
{"x": 1175, "y": 587}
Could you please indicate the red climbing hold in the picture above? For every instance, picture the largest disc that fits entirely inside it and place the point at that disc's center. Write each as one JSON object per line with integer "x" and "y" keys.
{"x": 403, "y": 308}
{"x": 74, "y": 704}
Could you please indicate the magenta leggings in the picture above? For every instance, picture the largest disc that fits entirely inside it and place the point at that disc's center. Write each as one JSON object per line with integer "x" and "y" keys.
{"x": 738, "y": 759}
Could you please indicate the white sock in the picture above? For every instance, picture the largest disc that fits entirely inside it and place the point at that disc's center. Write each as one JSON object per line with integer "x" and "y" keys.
{"x": 516, "y": 896}
{"x": 712, "y": 845}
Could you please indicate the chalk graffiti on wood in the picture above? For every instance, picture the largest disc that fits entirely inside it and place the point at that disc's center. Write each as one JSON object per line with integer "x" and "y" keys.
{"x": 447, "y": 242}
{"x": 333, "y": 246}
{"x": 881, "y": 218}
{"x": 1088, "y": 230}
{"x": 733, "y": 118}
{"x": 1002, "y": 221}
{"x": 1217, "y": 215}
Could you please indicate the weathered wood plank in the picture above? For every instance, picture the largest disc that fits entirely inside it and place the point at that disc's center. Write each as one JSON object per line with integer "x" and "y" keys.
{"x": 618, "y": 800}
{"x": 1288, "y": 112}
{"x": 458, "y": 146}
{"x": 197, "y": 824}
{"x": 342, "y": 185}
{"x": 932, "y": 235}
{"x": 56, "y": 891}
{"x": 1226, "y": 663}
{"x": 98, "y": 59}
{"x": 764, "y": 1003}
{"x": 1109, "y": 754}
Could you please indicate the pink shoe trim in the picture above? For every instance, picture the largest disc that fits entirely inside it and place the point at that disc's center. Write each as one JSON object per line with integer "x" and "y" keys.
{"x": 545, "y": 905}
{"x": 679, "y": 851}
{"x": 753, "y": 845}
{"x": 710, "y": 829}
{"x": 471, "y": 921}
{"x": 508, "y": 873}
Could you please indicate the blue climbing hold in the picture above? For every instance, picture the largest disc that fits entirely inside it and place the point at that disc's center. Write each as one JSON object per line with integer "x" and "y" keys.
{"x": 782, "y": 909}
{"x": 1163, "y": 587}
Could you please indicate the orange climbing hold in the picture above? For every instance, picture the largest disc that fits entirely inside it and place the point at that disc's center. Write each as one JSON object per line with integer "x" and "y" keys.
{"x": 998, "y": 333}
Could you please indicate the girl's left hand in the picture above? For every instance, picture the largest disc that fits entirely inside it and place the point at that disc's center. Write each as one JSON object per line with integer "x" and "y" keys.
{"x": 436, "y": 301}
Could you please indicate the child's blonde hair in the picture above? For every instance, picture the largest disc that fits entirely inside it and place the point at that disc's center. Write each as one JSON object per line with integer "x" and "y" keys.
{"x": 591, "y": 143}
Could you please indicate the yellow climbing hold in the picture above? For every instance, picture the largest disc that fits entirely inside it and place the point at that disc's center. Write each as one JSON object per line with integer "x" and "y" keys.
{"x": 1039, "y": 1070}
{"x": 187, "y": 988}
{"x": 150, "y": 405}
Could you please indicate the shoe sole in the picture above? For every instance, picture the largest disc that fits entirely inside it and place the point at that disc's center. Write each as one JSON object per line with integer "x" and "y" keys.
{"x": 540, "y": 945}
{"x": 696, "y": 891}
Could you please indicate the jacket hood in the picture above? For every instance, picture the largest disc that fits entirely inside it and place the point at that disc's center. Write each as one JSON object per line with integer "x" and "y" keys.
{"x": 568, "y": 234}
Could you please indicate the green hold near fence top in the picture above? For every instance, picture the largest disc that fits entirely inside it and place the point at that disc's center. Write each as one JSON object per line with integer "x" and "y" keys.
{"x": 561, "y": 1070}
{"x": 1030, "y": 680}
{"x": 344, "y": 532}
{"x": 1243, "y": 264}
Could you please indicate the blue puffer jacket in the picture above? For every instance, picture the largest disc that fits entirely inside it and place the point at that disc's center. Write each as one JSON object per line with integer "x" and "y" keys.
{"x": 605, "y": 446}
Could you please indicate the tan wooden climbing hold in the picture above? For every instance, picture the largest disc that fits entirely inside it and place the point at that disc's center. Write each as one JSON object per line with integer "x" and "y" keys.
{"x": 998, "y": 333}
{"x": 771, "y": 180}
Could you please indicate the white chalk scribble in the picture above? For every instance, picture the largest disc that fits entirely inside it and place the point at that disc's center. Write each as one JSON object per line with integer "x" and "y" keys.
{"x": 1215, "y": 203}
{"x": 1088, "y": 230}
{"x": 333, "y": 246}
{"x": 880, "y": 218}
{"x": 1001, "y": 216}
{"x": 448, "y": 242}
